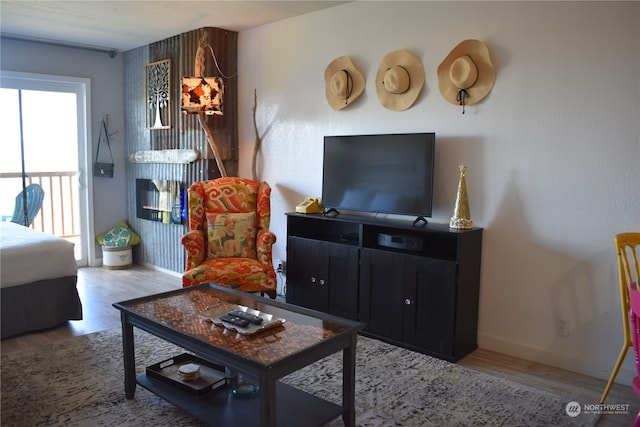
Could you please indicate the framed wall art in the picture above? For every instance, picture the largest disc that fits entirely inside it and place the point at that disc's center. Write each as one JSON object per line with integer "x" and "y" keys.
{"x": 158, "y": 94}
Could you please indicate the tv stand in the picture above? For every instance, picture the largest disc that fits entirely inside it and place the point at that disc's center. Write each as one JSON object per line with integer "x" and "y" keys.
{"x": 420, "y": 219}
{"x": 414, "y": 286}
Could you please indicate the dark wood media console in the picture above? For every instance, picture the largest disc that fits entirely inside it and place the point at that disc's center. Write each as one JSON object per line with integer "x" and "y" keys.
{"x": 415, "y": 286}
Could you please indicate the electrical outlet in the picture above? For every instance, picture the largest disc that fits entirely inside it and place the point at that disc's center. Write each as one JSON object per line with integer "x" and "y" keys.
{"x": 280, "y": 267}
{"x": 562, "y": 327}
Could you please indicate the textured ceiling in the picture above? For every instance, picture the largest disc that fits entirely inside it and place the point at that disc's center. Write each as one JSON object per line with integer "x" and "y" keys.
{"x": 124, "y": 25}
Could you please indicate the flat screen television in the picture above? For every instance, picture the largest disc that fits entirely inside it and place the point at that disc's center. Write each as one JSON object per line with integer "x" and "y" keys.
{"x": 391, "y": 173}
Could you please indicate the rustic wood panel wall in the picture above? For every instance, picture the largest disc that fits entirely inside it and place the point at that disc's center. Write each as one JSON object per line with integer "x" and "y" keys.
{"x": 161, "y": 242}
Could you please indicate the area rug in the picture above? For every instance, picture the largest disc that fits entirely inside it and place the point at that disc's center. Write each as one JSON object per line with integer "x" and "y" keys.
{"x": 79, "y": 382}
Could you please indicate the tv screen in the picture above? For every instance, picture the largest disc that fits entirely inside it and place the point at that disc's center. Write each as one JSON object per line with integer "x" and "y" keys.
{"x": 390, "y": 173}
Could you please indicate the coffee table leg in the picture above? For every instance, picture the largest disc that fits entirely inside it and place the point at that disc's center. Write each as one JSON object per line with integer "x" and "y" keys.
{"x": 129, "y": 357}
{"x": 267, "y": 401}
{"x": 349, "y": 383}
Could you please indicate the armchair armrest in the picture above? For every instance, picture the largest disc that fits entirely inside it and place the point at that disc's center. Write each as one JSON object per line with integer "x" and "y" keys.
{"x": 194, "y": 244}
{"x": 264, "y": 243}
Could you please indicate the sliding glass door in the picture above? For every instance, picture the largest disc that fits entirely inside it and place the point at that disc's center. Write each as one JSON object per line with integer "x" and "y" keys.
{"x": 43, "y": 138}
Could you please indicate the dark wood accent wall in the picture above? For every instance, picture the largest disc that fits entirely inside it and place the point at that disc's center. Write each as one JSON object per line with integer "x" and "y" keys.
{"x": 161, "y": 242}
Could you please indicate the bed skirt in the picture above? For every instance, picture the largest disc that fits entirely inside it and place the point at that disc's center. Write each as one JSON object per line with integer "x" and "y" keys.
{"x": 39, "y": 305}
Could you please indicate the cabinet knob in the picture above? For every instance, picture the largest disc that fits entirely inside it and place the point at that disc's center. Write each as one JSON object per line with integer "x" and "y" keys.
{"x": 408, "y": 302}
{"x": 313, "y": 280}
{"x": 322, "y": 282}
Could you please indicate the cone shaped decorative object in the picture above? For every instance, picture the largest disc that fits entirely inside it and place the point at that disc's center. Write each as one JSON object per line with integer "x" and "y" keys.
{"x": 461, "y": 218}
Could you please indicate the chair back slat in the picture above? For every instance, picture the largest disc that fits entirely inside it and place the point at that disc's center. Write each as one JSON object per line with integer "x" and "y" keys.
{"x": 34, "y": 197}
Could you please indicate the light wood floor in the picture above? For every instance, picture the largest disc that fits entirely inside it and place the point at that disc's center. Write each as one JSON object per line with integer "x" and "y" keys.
{"x": 99, "y": 288}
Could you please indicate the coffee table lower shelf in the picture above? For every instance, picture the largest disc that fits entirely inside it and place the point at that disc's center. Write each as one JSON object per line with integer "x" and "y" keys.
{"x": 294, "y": 407}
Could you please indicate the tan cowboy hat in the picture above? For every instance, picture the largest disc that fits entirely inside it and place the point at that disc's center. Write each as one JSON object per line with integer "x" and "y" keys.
{"x": 466, "y": 75}
{"x": 399, "y": 80}
{"x": 343, "y": 83}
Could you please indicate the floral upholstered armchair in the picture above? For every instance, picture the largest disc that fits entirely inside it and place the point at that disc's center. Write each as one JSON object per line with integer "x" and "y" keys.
{"x": 229, "y": 242}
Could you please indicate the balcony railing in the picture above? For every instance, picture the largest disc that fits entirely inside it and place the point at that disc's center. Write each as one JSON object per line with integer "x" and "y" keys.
{"x": 58, "y": 215}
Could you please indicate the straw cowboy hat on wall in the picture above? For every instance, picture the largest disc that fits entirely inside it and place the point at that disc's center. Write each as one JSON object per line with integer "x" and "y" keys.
{"x": 466, "y": 75}
{"x": 399, "y": 80}
{"x": 343, "y": 83}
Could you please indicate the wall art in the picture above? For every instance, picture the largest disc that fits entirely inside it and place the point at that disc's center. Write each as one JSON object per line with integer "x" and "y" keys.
{"x": 158, "y": 94}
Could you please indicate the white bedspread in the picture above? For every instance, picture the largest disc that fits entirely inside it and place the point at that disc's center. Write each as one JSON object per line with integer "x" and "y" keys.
{"x": 27, "y": 255}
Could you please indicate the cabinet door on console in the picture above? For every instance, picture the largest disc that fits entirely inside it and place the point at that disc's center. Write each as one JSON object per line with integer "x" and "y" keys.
{"x": 323, "y": 276}
{"x": 307, "y": 260}
{"x": 409, "y": 299}
{"x": 342, "y": 284}
{"x": 381, "y": 292}
{"x": 429, "y": 304}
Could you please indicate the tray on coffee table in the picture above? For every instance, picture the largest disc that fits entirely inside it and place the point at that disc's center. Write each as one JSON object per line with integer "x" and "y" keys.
{"x": 212, "y": 376}
{"x": 213, "y": 314}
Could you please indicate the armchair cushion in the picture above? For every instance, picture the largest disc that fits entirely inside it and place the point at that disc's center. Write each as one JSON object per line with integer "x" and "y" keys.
{"x": 244, "y": 274}
{"x": 231, "y": 235}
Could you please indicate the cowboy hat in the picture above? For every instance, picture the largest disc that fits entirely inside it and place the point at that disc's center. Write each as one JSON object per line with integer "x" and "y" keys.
{"x": 466, "y": 75}
{"x": 343, "y": 83}
{"x": 399, "y": 80}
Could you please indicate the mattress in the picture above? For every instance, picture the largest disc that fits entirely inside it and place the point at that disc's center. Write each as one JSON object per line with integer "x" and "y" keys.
{"x": 27, "y": 256}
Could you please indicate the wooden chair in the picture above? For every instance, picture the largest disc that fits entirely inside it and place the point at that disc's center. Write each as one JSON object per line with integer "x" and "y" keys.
{"x": 229, "y": 242}
{"x": 628, "y": 271}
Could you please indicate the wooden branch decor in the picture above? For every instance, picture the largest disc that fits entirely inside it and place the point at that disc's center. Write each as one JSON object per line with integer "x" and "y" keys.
{"x": 202, "y": 119}
{"x": 258, "y": 143}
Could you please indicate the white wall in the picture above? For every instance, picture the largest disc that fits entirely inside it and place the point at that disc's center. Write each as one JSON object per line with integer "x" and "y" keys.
{"x": 106, "y": 75}
{"x": 552, "y": 152}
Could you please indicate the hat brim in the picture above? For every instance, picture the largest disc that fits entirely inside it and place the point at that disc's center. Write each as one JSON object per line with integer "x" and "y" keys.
{"x": 479, "y": 52}
{"x": 402, "y": 101}
{"x": 339, "y": 64}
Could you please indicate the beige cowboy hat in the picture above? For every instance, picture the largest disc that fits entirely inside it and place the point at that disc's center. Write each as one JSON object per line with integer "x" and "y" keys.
{"x": 466, "y": 75}
{"x": 399, "y": 80}
{"x": 343, "y": 83}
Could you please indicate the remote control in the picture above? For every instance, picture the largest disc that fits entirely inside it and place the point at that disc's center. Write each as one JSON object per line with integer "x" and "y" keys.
{"x": 237, "y": 321}
{"x": 256, "y": 320}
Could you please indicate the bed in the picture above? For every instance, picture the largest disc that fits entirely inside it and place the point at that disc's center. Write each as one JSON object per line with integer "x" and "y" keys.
{"x": 38, "y": 276}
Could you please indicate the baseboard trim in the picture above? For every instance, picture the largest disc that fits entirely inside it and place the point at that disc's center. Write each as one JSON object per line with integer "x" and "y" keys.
{"x": 164, "y": 270}
{"x": 582, "y": 365}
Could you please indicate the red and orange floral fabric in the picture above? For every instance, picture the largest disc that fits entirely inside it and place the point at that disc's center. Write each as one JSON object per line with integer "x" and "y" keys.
{"x": 226, "y": 200}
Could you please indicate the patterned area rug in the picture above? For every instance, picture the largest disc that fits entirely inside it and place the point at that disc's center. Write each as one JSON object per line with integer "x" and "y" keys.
{"x": 79, "y": 382}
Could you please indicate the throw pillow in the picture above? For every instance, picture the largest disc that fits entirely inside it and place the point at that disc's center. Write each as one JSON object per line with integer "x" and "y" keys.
{"x": 231, "y": 235}
{"x": 119, "y": 236}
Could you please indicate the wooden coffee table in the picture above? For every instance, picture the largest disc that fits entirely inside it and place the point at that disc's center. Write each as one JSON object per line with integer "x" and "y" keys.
{"x": 305, "y": 337}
